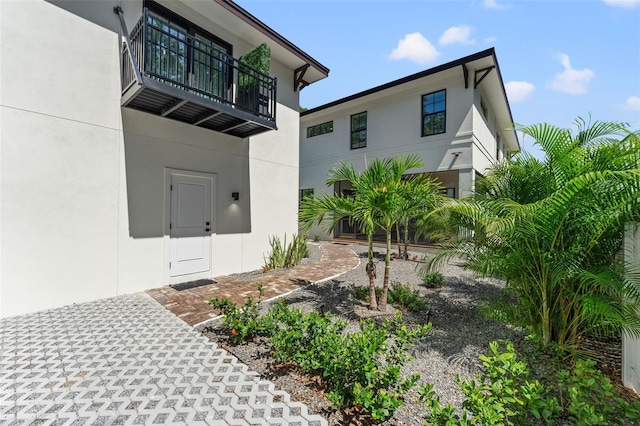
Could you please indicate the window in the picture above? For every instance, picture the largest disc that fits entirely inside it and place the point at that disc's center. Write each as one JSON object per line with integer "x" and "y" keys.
{"x": 359, "y": 130}
{"x": 434, "y": 114}
{"x": 304, "y": 193}
{"x": 185, "y": 55}
{"x": 320, "y": 129}
{"x": 498, "y": 147}
{"x": 485, "y": 111}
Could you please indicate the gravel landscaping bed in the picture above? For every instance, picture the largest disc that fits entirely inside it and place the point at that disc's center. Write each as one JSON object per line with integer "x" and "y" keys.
{"x": 458, "y": 337}
{"x": 314, "y": 256}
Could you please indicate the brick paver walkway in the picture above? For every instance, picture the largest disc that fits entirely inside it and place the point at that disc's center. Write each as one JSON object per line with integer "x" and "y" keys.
{"x": 127, "y": 360}
{"x": 192, "y": 307}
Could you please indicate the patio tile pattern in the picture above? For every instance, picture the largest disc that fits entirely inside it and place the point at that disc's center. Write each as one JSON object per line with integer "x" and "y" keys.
{"x": 127, "y": 360}
{"x": 191, "y": 305}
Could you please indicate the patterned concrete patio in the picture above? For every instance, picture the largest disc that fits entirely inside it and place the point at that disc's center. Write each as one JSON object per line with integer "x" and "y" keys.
{"x": 127, "y": 360}
{"x": 192, "y": 307}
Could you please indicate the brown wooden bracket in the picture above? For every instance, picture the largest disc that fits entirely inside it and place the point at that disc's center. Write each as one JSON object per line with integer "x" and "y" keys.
{"x": 483, "y": 73}
{"x": 298, "y": 78}
{"x": 465, "y": 72}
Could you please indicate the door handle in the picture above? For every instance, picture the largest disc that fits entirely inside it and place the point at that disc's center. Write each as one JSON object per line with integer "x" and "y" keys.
{"x": 207, "y": 229}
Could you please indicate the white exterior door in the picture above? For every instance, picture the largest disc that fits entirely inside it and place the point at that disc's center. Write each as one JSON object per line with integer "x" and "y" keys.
{"x": 191, "y": 225}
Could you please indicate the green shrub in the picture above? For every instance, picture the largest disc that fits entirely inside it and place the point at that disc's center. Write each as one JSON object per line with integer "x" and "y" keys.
{"x": 503, "y": 309}
{"x": 433, "y": 279}
{"x": 243, "y": 323}
{"x": 588, "y": 397}
{"x": 403, "y": 296}
{"x": 507, "y": 394}
{"x": 283, "y": 255}
{"x": 361, "y": 369}
{"x": 400, "y": 296}
{"x": 362, "y": 292}
{"x": 316, "y": 239}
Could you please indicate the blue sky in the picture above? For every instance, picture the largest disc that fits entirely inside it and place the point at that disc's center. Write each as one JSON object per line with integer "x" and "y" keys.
{"x": 559, "y": 59}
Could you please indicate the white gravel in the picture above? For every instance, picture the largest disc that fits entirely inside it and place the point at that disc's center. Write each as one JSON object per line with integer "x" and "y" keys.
{"x": 458, "y": 337}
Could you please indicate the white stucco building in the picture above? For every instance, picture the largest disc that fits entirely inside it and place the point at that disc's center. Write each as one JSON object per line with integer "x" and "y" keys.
{"x": 631, "y": 344}
{"x": 125, "y": 171}
{"x": 454, "y": 117}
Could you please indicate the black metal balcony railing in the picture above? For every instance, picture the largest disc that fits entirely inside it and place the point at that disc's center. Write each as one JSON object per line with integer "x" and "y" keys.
{"x": 190, "y": 79}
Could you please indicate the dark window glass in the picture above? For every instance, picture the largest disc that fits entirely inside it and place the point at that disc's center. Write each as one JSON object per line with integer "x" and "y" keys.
{"x": 359, "y": 130}
{"x": 304, "y": 193}
{"x": 434, "y": 113}
{"x": 184, "y": 55}
{"x": 320, "y": 129}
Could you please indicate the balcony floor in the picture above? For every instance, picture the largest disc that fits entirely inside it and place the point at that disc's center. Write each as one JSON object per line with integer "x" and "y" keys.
{"x": 164, "y": 100}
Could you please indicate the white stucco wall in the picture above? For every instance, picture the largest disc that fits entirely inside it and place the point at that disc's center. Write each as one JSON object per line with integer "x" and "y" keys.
{"x": 83, "y": 189}
{"x": 631, "y": 345}
{"x": 60, "y": 143}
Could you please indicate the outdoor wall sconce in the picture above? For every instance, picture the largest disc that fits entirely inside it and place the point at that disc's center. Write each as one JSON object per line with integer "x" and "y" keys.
{"x": 235, "y": 196}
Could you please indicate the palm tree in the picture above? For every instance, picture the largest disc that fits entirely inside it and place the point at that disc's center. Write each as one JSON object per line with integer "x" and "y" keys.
{"x": 381, "y": 191}
{"x": 553, "y": 230}
{"x": 334, "y": 207}
{"x": 376, "y": 204}
{"x": 421, "y": 195}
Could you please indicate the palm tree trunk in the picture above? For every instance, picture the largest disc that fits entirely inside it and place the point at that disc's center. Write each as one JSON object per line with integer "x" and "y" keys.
{"x": 406, "y": 239}
{"x": 546, "y": 318}
{"x": 371, "y": 273}
{"x": 398, "y": 238}
{"x": 382, "y": 306}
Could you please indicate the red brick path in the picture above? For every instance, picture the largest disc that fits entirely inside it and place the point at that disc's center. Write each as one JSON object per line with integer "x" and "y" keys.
{"x": 192, "y": 307}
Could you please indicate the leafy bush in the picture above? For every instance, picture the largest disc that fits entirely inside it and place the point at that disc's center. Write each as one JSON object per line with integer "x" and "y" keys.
{"x": 400, "y": 296}
{"x": 504, "y": 309}
{"x": 433, "y": 279}
{"x": 506, "y": 394}
{"x": 285, "y": 255}
{"x": 403, "y": 296}
{"x": 361, "y": 369}
{"x": 362, "y": 292}
{"x": 588, "y": 397}
{"x": 243, "y": 323}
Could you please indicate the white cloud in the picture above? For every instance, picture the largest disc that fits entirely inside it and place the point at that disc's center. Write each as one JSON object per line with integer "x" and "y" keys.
{"x": 623, "y": 3}
{"x": 493, "y": 4}
{"x": 416, "y": 48}
{"x": 519, "y": 91}
{"x": 459, "y": 34}
{"x": 490, "y": 40}
{"x": 632, "y": 104}
{"x": 571, "y": 81}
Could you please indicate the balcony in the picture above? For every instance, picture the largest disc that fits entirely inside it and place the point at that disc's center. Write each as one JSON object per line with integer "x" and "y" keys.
{"x": 171, "y": 73}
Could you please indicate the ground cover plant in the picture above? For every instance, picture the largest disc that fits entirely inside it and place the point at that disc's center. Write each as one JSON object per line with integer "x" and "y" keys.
{"x": 401, "y": 296}
{"x": 433, "y": 279}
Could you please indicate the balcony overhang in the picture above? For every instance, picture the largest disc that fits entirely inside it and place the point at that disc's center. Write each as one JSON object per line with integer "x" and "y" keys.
{"x": 163, "y": 100}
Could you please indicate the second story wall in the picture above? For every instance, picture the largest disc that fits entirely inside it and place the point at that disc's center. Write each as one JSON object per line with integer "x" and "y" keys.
{"x": 393, "y": 127}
